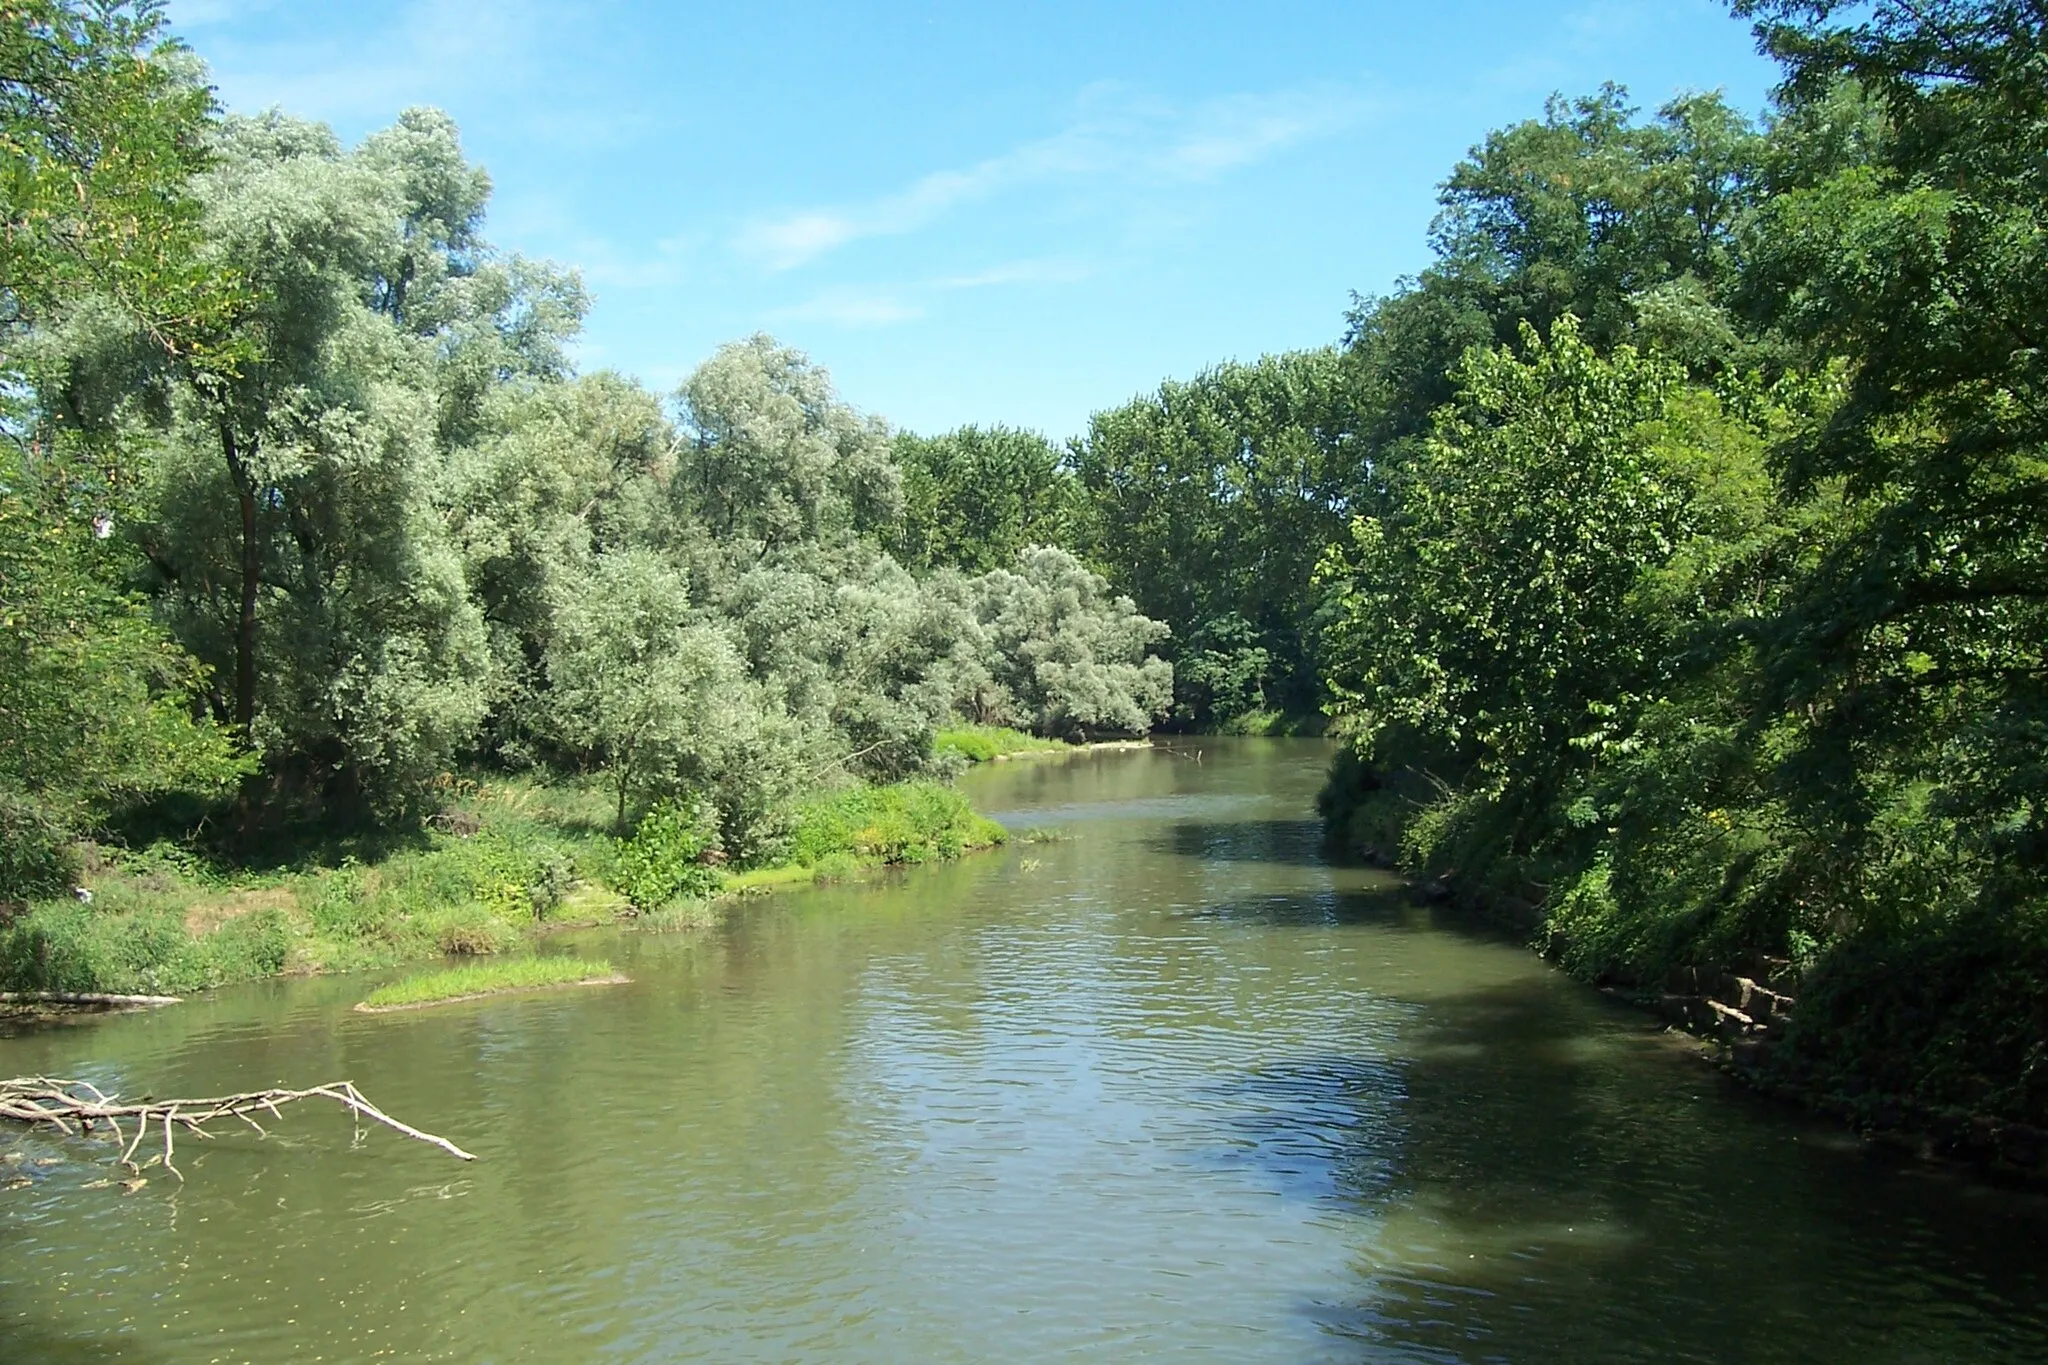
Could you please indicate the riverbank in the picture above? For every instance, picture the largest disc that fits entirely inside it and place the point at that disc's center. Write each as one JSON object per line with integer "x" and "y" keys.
{"x": 505, "y": 861}
{"x": 1918, "y": 1042}
{"x": 993, "y": 744}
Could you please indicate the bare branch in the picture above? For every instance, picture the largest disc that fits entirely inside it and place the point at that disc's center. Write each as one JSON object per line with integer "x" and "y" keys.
{"x": 45, "y": 1102}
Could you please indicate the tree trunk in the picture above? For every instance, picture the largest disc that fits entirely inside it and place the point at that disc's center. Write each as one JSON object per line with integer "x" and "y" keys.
{"x": 252, "y": 570}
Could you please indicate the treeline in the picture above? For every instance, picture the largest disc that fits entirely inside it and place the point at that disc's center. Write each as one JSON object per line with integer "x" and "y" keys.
{"x": 1706, "y": 608}
{"x": 304, "y": 506}
{"x": 1672, "y": 553}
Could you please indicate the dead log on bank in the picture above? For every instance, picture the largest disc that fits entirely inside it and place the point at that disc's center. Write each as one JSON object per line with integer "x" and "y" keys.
{"x": 80, "y": 1108}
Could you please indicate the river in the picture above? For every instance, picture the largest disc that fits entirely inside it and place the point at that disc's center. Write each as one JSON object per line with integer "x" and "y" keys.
{"x": 1166, "y": 1087}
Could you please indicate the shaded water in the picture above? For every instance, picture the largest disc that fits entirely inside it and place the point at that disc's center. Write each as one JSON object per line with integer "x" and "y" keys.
{"x": 1169, "y": 1087}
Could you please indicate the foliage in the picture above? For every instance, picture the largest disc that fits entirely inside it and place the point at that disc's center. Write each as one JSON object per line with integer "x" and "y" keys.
{"x": 665, "y": 859}
{"x": 974, "y": 499}
{"x": 95, "y": 701}
{"x": 775, "y": 457}
{"x": 1059, "y": 653}
{"x": 487, "y": 978}
{"x": 36, "y": 857}
{"x": 1714, "y": 621}
{"x": 103, "y": 121}
{"x": 911, "y": 822}
{"x": 1210, "y": 502}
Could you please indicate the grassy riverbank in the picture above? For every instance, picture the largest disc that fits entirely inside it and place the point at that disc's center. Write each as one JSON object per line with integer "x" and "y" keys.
{"x": 505, "y": 861}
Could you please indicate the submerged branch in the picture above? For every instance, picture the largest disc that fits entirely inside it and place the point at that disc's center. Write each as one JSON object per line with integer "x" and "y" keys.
{"x": 79, "y": 1108}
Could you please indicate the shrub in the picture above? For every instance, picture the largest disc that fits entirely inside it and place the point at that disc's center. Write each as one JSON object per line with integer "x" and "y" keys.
{"x": 36, "y": 854}
{"x": 664, "y": 860}
{"x": 910, "y": 822}
{"x": 983, "y": 743}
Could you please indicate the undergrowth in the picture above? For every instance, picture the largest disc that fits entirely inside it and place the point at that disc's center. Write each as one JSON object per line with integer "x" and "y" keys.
{"x": 502, "y": 863}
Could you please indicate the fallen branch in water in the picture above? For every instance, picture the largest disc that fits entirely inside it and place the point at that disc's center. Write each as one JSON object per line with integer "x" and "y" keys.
{"x": 84, "y": 998}
{"x": 80, "y": 1108}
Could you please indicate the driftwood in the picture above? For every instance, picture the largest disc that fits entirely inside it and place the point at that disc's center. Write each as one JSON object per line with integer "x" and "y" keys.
{"x": 84, "y": 998}
{"x": 80, "y": 1108}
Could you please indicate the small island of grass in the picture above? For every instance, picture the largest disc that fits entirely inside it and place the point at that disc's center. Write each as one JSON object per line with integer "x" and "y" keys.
{"x": 488, "y": 978}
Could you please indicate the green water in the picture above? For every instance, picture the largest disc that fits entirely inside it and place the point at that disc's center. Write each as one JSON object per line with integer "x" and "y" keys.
{"x": 1168, "y": 1088}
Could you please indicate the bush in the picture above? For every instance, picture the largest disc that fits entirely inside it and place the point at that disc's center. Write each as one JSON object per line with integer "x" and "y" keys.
{"x": 36, "y": 854}
{"x": 984, "y": 743}
{"x": 664, "y": 860}
{"x": 910, "y": 822}
{"x": 69, "y": 947}
{"x": 1946, "y": 1017}
{"x": 468, "y": 930}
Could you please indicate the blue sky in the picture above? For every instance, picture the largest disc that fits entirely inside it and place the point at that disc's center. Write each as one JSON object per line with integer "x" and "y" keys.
{"x": 1017, "y": 213}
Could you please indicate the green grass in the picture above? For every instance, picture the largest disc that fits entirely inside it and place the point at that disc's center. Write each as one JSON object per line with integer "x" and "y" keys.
{"x": 506, "y": 861}
{"x": 512, "y": 859}
{"x": 909, "y": 822}
{"x": 985, "y": 743}
{"x": 488, "y": 978}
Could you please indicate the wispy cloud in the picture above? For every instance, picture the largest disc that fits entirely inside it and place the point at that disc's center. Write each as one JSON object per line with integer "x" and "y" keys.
{"x": 438, "y": 48}
{"x": 1016, "y": 272}
{"x": 865, "y": 307}
{"x": 1114, "y": 134}
{"x": 855, "y": 309}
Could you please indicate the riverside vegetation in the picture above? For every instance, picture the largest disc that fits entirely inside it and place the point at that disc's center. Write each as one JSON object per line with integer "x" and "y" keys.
{"x": 346, "y": 623}
{"x": 1668, "y": 556}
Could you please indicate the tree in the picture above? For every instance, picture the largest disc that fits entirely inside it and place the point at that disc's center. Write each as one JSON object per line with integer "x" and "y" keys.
{"x": 102, "y": 122}
{"x": 1065, "y": 656}
{"x": 774, "y": 457}
{"x": 102, "y": 125}
{"x": 1912, "y": 654}
{"x": 305, "y": 474}
{"x": 975, "y": 497}
{"x": 1495, "y": 618}
{"x": 638, "y": 683}
{"x": 1212, "y": 500}
{"x": 95, "y": 700}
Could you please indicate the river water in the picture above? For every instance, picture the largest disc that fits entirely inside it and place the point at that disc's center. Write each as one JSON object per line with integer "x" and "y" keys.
{"x": 1167, "y": 1087}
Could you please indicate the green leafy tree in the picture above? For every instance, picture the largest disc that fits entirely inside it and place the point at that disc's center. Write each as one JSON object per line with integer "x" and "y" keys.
{"x": 975, "y": 497}
{"x": 294, "y": 527}
{"x": 95, "y": 700}
{"x": 1060, "y": 653}
{"x": 103, "y": 121}
{"x": 641, "y": 685}
{"x": 1912, "y": 654}
{"x": 1494, "y": 618}
{"x": 1213, "y": 499}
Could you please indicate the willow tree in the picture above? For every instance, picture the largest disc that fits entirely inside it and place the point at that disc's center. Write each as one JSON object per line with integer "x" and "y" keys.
{"x": 774, "y": 457}
{"x": 295, "y": 530}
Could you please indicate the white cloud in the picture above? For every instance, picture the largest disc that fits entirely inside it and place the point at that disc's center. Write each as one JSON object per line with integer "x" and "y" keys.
{"x": 1016, "y": 272}
{"x": 439, "y": 48}
{"x": 1114, "y": 135}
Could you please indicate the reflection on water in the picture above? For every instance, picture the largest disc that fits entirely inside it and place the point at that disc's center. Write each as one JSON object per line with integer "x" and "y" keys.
{"x": 1168, "y": 1087}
